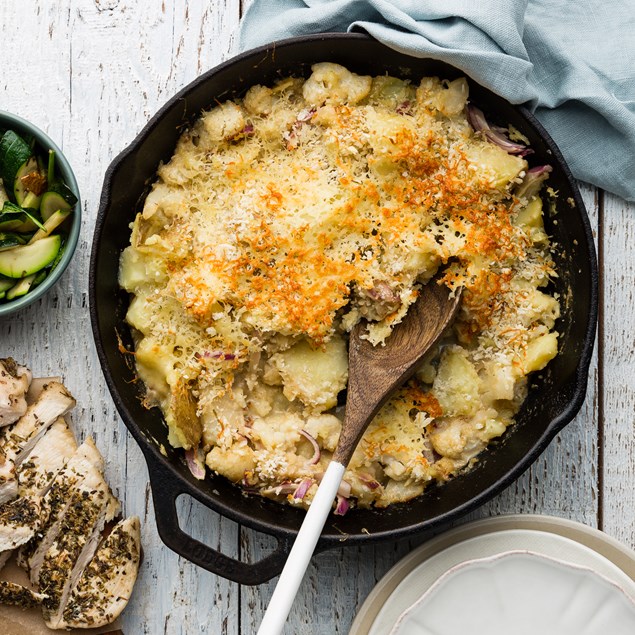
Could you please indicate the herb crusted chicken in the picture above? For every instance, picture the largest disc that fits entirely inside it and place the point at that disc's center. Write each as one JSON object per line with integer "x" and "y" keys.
{"x": 53, "y": 513}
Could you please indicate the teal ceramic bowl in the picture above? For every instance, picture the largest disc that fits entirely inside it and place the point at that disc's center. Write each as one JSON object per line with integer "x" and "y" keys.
{"x": 71, "y": 226}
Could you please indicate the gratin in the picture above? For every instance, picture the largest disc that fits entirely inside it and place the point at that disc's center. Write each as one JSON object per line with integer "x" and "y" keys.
{"x": 286, "y": 217}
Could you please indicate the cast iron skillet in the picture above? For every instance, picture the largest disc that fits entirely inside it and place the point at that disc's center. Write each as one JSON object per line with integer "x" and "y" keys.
{"x": 557, "y": 393}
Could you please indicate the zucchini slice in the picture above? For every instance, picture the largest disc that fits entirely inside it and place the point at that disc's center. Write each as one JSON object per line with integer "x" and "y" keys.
{"x": 39, "y": 277}
{"x": 9, "y": 241}
{"x": 22, "y": 287}
{"x": 6, "y": 284}
{"x": 23, "y": 261}
{"x": 3, "y": 194}
{"x": 15, "y": 152}
{"x": 57, "y": 259}
{"x": 16, "y": 219}
{"x": 50, "y": 224}
{"x": 58, "y": 197}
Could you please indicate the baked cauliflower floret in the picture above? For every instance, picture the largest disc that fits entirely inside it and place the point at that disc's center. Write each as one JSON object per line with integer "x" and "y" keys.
{"x": 392, "y": 94}
{"x": 448, "y": 98}
{"x": 259, "y": 100}
{"x": 232, "y": 462}
{"x": 223, "y": 122}
{"x": 325, "y": 428}
{"x": 277, "y": 431}
{"x": 455, "y": 438}
{"x": 334, "y": 84}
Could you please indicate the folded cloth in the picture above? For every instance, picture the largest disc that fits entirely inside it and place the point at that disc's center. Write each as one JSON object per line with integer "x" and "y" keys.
{"x": 572, "y": 62}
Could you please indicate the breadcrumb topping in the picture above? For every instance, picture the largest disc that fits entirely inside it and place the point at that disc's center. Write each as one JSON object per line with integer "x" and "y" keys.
{"x": 285, "y": 218}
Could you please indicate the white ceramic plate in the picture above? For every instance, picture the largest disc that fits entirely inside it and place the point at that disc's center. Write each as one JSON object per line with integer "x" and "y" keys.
{"x": 520, "y": 592}
{"x": 558, "y": 538}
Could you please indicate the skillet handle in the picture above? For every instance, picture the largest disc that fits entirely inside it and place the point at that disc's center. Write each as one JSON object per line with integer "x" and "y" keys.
{"x": 165, "y": 491}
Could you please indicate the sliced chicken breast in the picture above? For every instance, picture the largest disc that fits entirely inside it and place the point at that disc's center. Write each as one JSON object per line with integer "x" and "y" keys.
{"x": 14, "y": 384}
{"x": 75, "y": 543}
{"x": 106, "y": 584}
{"x": 86, "y": 460}
{"x": 36, "y": 387}
{"x": 54, "y": 401}
{"x": 54, "y": 505}
{"x": 22, "y": 517}
{"x": 18, "y": 595}
{"x": 19, "y": 520}
{"x": 48, "y": 457}
{"x": 4, "y": 557}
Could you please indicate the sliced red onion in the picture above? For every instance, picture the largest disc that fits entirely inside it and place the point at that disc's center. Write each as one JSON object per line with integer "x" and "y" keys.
{"x": 316, "y": 448}
{"x": 404, "y": 108}
{"x": 302, "y": 489}
{"x": 428, "y": 455}
{"x": 246, "y": 131}
{"x": 369, "y": 481}
{"x": 476, "y": 119}
{"x": 195, "y": 464}
{"x": 533, "y": 181}
{"x": 382, "y": 292}
{"x": 501, "y": 140}
{"x": 344, "y": 489}
{"x": 291, "y": 138}
{"x": 218, "y": 355}
{"x": 286, "y": 487}
{"x": 247, "y": 485}
{"x": 342, "y": 506}
{"x": 306, "y": 115}
{"x": 539, "y": 170}
{"x": 495, "y": 135}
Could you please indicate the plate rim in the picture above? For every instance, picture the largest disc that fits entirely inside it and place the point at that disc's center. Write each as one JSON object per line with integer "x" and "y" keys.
{"x": 620, "y": 555}
{"x": 496, "y": 558}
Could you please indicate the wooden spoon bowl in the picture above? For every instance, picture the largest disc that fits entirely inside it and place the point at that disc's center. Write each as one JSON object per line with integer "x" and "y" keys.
{"x": 375, "y": 372}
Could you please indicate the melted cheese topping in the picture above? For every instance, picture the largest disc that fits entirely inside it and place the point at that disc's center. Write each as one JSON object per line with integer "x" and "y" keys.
{"x": 286, "y": 217}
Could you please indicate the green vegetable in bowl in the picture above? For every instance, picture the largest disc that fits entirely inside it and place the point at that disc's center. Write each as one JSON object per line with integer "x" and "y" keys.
{"x": 15, "y": 218}
{"x": 34, "y": 205}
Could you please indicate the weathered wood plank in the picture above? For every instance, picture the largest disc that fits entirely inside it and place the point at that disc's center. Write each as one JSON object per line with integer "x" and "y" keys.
{"x": 617, "y": 327}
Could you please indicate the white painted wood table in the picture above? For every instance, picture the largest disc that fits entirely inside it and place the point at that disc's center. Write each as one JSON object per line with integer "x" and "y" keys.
{"x": 90, "y": 73}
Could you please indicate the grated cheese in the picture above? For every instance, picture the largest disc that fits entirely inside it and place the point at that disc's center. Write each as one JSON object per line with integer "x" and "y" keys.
{"x": 285, "y": 218}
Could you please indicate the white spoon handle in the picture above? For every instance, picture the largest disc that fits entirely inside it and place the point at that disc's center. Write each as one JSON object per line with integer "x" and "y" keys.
{"x": 301, "y": 552}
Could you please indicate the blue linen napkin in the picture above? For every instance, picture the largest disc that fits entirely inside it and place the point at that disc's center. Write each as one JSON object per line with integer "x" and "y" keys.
{"x": 571, "y": 61}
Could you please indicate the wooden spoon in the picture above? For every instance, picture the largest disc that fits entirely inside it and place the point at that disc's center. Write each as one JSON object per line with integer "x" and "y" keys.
{"x": 374, "y": 373}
